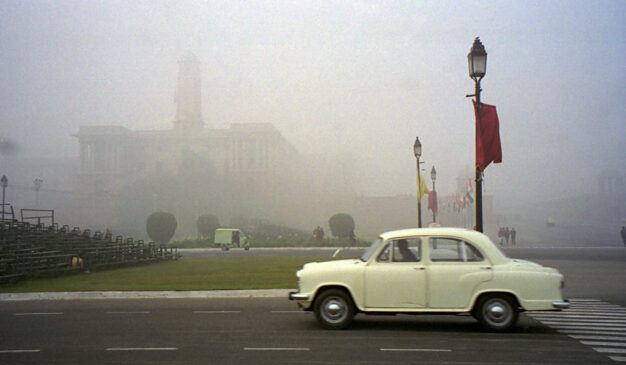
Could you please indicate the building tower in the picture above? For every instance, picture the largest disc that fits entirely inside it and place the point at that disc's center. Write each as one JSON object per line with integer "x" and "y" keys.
{"x": 188, "y": 95}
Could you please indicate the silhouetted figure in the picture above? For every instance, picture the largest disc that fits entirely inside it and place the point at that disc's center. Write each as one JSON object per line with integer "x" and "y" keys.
{"x": 513, "y": 233}
{"x": 318, "y": 233}
{"x": 406, "y": 254}
{"x": 624, "y": 235}
{"x": 506, "y": 234}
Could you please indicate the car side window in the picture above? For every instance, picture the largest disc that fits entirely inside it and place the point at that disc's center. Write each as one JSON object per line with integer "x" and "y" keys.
{"x": 407, "y": 250}
{"x": 383, "y": 256}
{"x": 453, "y": 250}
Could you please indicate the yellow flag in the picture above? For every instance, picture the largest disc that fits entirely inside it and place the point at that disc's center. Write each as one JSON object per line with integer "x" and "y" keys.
{"x": 421, "y": 184}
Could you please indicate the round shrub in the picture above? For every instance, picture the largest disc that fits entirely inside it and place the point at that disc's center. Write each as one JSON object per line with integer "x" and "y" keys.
{"x": 161, "y": 226}
{"x": 341, "y": 225}
{"x": 207, "y": 224}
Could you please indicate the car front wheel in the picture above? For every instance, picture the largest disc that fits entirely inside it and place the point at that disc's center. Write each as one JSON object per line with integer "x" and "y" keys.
{"x": 334, "y": 309}
{"x": 497, "y": 313}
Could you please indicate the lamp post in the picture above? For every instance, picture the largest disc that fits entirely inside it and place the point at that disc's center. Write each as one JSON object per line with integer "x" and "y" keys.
{"x": 417, "y": 151}
{"x": 433, "y": 176}
{"x": 477, "y": 63}
{"x": 4, "y": 182}
{"x": 37, "y": 183}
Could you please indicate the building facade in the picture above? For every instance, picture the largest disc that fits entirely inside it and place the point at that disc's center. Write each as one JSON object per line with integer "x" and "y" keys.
{"x": 111, "y": 155}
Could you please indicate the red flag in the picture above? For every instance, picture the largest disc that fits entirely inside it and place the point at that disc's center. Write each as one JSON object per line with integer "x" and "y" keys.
{"x": 488, "y": 148}
{"x": 432, "y": 201}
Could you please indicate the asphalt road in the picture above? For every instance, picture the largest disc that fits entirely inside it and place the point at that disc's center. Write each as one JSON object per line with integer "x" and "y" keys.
{"x": 273, "y": 331}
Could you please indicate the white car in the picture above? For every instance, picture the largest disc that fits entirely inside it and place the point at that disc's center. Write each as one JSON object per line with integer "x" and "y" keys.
{"x": 429, "y": 270}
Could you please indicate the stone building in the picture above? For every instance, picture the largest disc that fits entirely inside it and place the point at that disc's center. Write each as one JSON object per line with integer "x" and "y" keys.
{"x": 111, "y": 155}
{"x": 126, "y": 174}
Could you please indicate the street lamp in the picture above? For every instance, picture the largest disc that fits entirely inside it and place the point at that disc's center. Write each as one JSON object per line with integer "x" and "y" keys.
{"x": 37, "y": 183}
{"x": 417, "y": 151}
{"x": 477, "y": 63}
{"x": 4, "y": 182}
{"x": 433, "y": 176}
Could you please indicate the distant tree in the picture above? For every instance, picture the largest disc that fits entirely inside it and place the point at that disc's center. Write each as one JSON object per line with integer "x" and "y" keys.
{"x": 239, "y": 221}
{"x": 207, "y": 224}
{"x": 161, "y": 226}
{"x": 341, "y": 225}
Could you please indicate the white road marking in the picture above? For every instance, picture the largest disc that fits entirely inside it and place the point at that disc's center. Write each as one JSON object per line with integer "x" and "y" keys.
{"x": 215, "y": 312}
{"x": 142, "y": 349}
{"x": 599, "y": 322}
{"x": 592, "y": 322}
{"x": 40, "y": 314}
{"x": 586, "y": 337}
{"x": 601, "y": 343}
{"x": 416, "y": 350}
{"x": 581, "y": 315}
{"x": 16, "y": 351}
{"x": 337, "y": 252}
{"x": 577, "y": 327}
{"x": 593, "y": 332}
{"x": 610, "y": 349}
{"x": 276, "y": 349}
{"x": 584, "y": 311}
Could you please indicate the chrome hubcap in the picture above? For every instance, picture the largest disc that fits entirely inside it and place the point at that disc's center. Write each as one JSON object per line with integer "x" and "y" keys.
{"x": 334, "y": 310}
{"x": 497, "y": 312}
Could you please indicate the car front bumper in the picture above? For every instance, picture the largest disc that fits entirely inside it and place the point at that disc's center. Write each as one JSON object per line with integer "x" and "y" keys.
{"x": 561, "y": 305}
{"x": 294, "y": 295}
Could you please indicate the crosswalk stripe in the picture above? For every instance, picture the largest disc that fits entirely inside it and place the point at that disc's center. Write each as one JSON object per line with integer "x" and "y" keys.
{"x": 601, "y": 322}
{"x": 610, "y": 349}
{"x": 602, "y": 343}
{"x": 593, "y": 323}
{"x": 593, "y": 332}
{"x": 588, "y": 337}
{"x": 579, "y": 314}
{"x": 578, "y": 327}
{"x": 620, "y": 312}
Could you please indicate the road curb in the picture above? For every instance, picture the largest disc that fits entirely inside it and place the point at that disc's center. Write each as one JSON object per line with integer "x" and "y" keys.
{"x": 261, "y": 293}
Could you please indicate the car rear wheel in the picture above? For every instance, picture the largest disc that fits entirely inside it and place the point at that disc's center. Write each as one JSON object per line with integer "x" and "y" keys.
{"x": 496, "y": 313}
{"x": 334, "y": 309}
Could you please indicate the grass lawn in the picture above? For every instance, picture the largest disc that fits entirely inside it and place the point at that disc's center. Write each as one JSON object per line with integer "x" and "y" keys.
{"x": 205, "y": 273}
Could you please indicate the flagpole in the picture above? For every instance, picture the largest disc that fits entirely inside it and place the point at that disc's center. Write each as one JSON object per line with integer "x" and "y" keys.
{"x": 417, "y": 151}
{"x": 419, "y": 198}
{"x": 477, "y": 62}
{"x": 479, "y": 178}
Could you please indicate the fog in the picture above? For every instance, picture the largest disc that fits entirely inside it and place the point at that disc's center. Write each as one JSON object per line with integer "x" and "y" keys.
{"x": 355, "y": 81}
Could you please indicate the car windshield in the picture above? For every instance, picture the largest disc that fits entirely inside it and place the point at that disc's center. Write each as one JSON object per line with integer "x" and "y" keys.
{"x": 370, "y": 250}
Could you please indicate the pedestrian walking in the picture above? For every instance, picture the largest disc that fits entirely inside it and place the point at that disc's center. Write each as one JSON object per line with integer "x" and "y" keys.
{"x": 506, "y": 234}
{"x": 513, "y": 233}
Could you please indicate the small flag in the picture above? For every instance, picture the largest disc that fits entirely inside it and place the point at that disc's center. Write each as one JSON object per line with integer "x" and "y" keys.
{"x": 432, "y": 201}
{"x": 469, "y": 192}
{"x": 421, "y": 184}
{"x": 488, "y": 147}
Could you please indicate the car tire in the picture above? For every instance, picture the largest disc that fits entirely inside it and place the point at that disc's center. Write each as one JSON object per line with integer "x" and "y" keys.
{"x": 334, "y": 309}
{"x": 496, "y": 313}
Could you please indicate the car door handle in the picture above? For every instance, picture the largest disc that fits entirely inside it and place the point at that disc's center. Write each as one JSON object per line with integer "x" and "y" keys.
{"x": 486, "y": 267}
{"x": 419, "y": 268}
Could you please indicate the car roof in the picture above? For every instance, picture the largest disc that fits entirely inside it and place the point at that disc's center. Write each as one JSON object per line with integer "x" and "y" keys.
{"x": 477, "y": 238}
{"x": 454, "y": 231}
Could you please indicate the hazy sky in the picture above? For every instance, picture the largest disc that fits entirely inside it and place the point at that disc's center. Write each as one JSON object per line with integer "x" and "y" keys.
{"x": 363, "y": 77}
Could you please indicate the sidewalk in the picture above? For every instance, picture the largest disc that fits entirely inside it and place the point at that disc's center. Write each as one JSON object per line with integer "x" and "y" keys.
{"x": 261, "y": 293}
